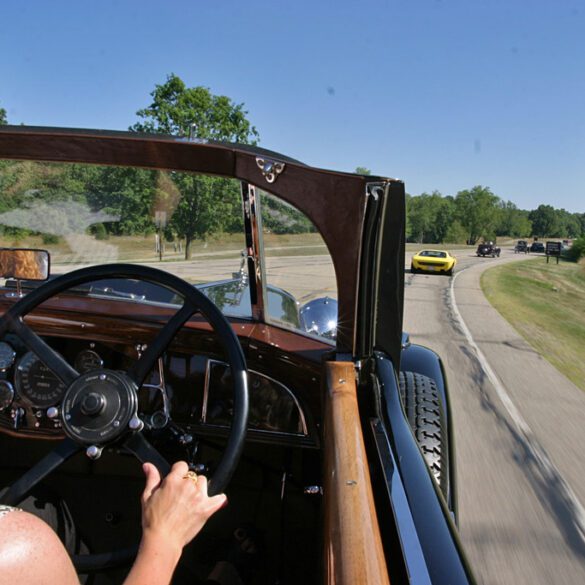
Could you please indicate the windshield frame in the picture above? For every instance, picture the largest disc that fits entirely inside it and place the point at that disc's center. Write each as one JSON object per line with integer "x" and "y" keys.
{"x": 334, "y": 202}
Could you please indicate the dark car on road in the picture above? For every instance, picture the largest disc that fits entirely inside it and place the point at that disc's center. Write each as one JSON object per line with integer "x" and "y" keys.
{"x": 521, "y": 247}
{"x": 537, "y": 247}
{"x": 488, "y": 249}
{"x": 281, "y": 372}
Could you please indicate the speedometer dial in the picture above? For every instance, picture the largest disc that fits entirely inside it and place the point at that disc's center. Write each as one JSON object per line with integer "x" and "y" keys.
{"x": 36, "y": 384}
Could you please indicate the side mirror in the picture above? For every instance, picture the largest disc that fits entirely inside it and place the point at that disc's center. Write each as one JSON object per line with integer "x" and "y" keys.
{"x": 24, "y": 264}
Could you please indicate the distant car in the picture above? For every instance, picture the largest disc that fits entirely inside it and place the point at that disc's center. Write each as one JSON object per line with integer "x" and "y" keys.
{"x": 537, "y": 247}
{"x": 521, "y": 247}
{"x": 488, "y": 249}
{"x": 433, "y": 261}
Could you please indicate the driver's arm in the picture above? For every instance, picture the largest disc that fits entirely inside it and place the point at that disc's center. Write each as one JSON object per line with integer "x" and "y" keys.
{"x": 174, "y": 510}
{"x": 173, "y": 513}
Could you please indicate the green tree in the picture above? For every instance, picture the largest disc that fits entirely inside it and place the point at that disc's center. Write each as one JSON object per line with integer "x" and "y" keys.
{"x": 569, "y": 225}
{"x": 175, "y": 108}
{"x": 456, "y": 233}
{"x": 581, "y": 219}
{"x": 513, "y": 222}
{"x": 544, "y": 221}
{"x": 429, "y": 216}
{"x": 419, "y": 217}
{"x": 362, "y": 171}
{"x": 129, "y": 194}
{"x": 207, "y": 204}
{"x": 281, "y": 218}
{"x": 407, "y": 226}
{"x": 477, "y": 211}
{"x": 445, "y": 218}
{"x": 3, "y": 118}
{"x": 577, "y": 250}
{"x": 42, "y": 197}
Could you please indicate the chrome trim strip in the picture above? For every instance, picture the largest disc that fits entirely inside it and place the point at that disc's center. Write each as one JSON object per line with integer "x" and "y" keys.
{"x": 414, "y": 559}
{"x": 206, "y": 389}
{"x": 160, "y": 385}
{"x": 254, "y": 250}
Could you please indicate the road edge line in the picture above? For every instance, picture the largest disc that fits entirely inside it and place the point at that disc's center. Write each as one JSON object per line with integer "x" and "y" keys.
{"x": 546, "y": 466}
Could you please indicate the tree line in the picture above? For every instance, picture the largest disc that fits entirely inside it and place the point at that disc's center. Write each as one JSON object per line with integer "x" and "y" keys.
{"x": 208, "y": 205}
{"x": 478, "y": 213}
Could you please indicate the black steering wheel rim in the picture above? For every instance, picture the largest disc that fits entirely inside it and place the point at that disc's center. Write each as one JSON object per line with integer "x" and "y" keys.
{"x": 194, "y": 302}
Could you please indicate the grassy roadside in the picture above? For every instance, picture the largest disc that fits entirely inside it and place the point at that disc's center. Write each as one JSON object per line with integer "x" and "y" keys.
{"x": 545, "y": 303}
{"x": 141, "y": 248}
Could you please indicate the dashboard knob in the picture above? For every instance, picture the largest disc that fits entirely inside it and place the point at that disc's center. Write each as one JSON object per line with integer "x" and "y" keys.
{"x": 94, "y": 452}
{"x": 136, "y": 424}
{"x": 52, "y": 412}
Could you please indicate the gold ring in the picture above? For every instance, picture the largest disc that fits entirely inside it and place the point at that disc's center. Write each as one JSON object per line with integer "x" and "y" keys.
{"x": 191, "y": 475}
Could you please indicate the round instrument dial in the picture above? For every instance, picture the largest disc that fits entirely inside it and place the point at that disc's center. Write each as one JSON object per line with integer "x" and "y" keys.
{"x": 88, "y": 360}
{"x": 6, "y": 394}
{"x": 36, "y": 384}
{"x": 7, "y": 355}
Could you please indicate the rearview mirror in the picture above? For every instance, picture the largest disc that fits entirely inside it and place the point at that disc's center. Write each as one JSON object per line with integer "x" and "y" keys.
{"x": 24, "y": 264}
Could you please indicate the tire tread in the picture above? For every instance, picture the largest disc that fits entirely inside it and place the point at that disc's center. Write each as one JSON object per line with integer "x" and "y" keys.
{"x": 422, "y": 405}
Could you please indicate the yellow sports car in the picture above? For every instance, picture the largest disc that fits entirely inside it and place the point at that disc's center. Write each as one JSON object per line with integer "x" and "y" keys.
{"x": 433, "y": 261}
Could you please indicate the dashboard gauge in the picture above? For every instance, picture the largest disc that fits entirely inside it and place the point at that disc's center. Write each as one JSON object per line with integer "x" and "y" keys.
{"x": 88, "y": 360}
{"x": 36, "y": 384}
{"x": 6, "y": 394}
{"x": 7, "y": 355}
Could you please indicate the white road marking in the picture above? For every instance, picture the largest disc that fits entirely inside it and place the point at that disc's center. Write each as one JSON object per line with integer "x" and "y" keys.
{"x": 545, "y": 465}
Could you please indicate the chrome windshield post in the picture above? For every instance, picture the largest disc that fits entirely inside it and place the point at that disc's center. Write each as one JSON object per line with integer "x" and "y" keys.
{"x": 254, "y": 250}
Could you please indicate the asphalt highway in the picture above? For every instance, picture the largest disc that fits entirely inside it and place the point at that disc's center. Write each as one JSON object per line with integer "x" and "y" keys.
{"x": 519, "y": 432}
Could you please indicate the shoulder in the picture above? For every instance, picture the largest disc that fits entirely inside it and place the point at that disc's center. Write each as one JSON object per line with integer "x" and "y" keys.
{"x": 31, "y": 552}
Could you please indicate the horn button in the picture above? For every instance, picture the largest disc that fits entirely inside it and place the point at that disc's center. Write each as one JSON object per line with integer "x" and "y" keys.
{"x": 98, "y": 406}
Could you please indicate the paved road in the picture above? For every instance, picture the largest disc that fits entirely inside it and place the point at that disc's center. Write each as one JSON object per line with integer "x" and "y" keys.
{"x": 519, "y": 429}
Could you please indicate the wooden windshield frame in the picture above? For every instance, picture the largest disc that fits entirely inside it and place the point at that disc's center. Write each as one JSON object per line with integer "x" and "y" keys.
{"x": 333, "y": 201}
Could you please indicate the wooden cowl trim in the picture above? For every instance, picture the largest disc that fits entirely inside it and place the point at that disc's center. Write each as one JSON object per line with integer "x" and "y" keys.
{"x": 353, "y": 547}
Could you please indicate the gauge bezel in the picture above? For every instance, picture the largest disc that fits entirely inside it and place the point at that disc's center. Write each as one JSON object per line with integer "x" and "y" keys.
{"x": 34, "y": 396}
{"x": 10, "y": 353}
{"x": 83, "y": 354}
{"x": 4, "y": 404}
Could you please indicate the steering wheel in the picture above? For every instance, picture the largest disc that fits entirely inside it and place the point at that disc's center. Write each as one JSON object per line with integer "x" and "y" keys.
{"x": 100, "y": 408}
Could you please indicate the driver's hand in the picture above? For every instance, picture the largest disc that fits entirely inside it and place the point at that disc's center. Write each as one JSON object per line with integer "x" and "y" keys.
{"x": 175, "y": 509}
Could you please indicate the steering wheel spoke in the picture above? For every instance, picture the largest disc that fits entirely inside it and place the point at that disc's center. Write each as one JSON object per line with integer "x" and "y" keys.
{"x": 66, "y": 373}
{"x": 21, "y": 488}
{"x": 144, "y": 365}
{"x": 139, "y": 446}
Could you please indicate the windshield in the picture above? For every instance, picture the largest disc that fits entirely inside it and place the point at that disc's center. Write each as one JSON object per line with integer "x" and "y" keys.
{"x": 189, "y": 225}
{"x": 297, "y": 261}
{"x": 433, "y": 254}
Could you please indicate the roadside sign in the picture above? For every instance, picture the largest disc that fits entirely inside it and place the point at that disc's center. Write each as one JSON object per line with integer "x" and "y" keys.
{"x": 553, "y": 249}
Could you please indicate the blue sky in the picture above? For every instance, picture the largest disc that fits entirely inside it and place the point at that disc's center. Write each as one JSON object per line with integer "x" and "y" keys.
{"x": 444, "y": 94}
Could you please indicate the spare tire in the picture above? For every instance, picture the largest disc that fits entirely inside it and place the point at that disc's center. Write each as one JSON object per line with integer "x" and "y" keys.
{"x": 424, "y": 411}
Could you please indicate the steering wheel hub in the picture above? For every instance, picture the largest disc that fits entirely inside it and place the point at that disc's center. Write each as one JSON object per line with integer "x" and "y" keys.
{"x": 98, "y": 406}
